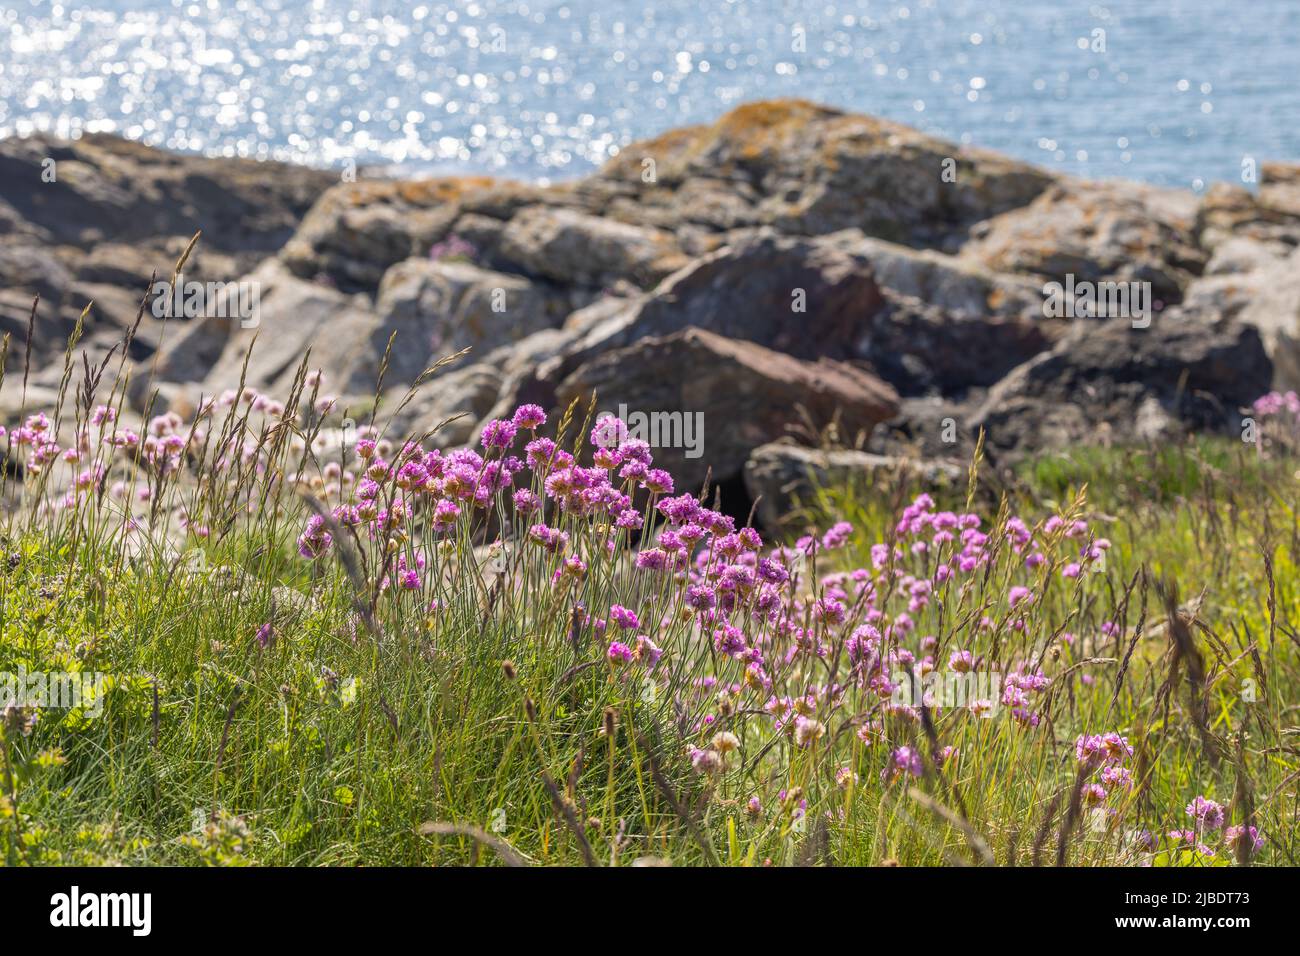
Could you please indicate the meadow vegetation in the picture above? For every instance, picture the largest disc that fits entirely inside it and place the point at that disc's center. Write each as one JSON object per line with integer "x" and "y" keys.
{"x": 324, "y": 645}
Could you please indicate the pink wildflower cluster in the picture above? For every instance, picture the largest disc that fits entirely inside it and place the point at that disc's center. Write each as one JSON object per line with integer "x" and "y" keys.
{"x": 1276, "y": 421}
{"x": 1207, "y": 835}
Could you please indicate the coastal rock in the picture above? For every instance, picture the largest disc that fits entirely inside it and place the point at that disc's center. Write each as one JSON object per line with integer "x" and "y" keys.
{"x": 578, "y": 249}
{"x": 1109, "y": 382}
{"x": 958, "y": 287}
{"x": 1241, "y": 254}
{"x": 811, "y": 169}
{"x": 108, "y": 188}
{"x": 820, "y": 297}
{"x": 107, "y": 212}
{"x": 1272, "y": 214}
{"x": 449, "y": 407}
{"x": 930, "y": 427}
{"x": 804, "y": 297}
{"x": 1273, "y": 307}
{"x": 357, "y": 231}
{"x": 1120, "y": 232}
{"x": 293, "y": 317}
{"x": 34, "y": 270}
{"x": 734, "y": 396}
{"x": 922, "y": 350}
{"x": 790, "y": 252}
{"x": 439, "y": 308}
{"x": 781, "y": 476}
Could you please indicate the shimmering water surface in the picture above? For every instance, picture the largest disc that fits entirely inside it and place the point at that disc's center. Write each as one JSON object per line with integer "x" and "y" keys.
{"x": 1181, "y": 94}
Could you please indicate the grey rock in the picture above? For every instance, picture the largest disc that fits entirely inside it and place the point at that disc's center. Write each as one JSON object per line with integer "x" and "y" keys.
{"x": 1110, "y": 383}
{"x": 437, "y": 309}
{"x": 782, "y": 477}
{"x": 736, "y": 396}
{"x": 579, "y": 249}
{"x": 1119, "y": 232}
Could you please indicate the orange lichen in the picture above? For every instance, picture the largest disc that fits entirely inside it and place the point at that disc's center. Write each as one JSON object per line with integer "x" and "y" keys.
{"x": 419, "y": 192}
{"x": 754, "y": 129}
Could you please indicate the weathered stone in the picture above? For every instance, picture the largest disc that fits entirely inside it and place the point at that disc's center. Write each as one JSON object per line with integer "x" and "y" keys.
{"x": 35, "y": 270}
{"x": 781, "y": 477}
{"x": 450, "y": 405}
{"x": 294, "y": 316}
{"x": 357, "y": 231}
{"x": 956, "y": 286}
{"x": 1108, "y": 382}
{"x": 1273, "y": 308}
{"x": 1215, "y": 297}
{"x": 439, "y": 308}
{"x": 1240, "y": 254}
{"x": 1271, "y": 215}
{"x": 1118, "y": 232}
{"x": 578, "y": 249}
{"x": 107, "y": 212}
{"x": 930, "y": 427}
{"x": 107, "y": 188}
{"x": 804, "y": 297}
{"x": 782, "y": 235}
{"x": 747, "y": 395}
{"x": 920, "y": 349}
{"x": 811, "y": 169}
{"x": 753, "y": 289}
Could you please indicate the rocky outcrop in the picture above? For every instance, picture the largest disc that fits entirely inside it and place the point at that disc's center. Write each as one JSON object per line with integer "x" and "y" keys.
{"x": 1111, "y": 383}
{"x": 809, "y": 169}
{"x": 91, "y": 220}
{"x": 781, "y": 476}
{"x": 439, "y": 308}
{"x": 802, "y": 296}
{"x": 787, "y": 265}
{"x": 1274, "y": 309}
{"x": 564, "y": 245}
{"x": 1094, "y": 231}
{"x": 294, "y": 317}
{"x": 720, "y": 398}
{"x": 1270, "y": 214}
{"x": 105, "y": 189}
{"x": 358, "y": 230}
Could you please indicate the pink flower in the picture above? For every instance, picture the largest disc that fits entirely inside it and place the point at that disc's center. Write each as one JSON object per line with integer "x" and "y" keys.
{"x": 1099, "y": 749}
{"x": 701, "y": 597}
{"x": 498, "y": 434}
{"x": 837, "y": 535}
{"x": 609, "y": 432}
{"x": 647, "y": 651}
{"x": 903, "y": 761}
{"x": 1208, "y": 814}
{"x": 315, "y": 540}
{"x": 1094, "y": 793}
{"x": 530, "y": 417}
{"x": 624, "y": 618}
{"x": 961, "y": 661}
{"x": 1247, "y": 838}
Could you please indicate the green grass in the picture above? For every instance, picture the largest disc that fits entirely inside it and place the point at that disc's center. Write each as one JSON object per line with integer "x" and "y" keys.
{"x": 380, "y": 728}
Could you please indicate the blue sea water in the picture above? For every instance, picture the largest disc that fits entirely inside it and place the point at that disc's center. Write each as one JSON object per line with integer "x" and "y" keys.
{"x": 1176, "y": 92}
